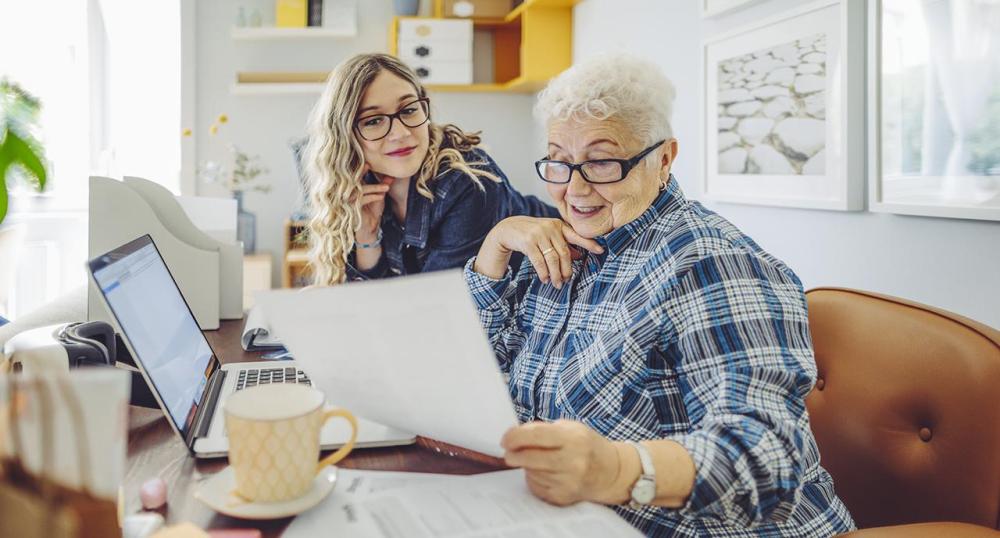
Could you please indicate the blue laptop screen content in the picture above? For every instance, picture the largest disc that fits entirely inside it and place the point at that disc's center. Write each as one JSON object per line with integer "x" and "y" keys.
{"x": 161, "y": 329}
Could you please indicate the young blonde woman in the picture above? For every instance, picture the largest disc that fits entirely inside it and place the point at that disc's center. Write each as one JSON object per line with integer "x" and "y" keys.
{"x": 392, "y": 192}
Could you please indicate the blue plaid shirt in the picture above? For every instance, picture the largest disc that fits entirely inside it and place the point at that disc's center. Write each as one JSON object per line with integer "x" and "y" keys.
{"x": 683, "y": 329}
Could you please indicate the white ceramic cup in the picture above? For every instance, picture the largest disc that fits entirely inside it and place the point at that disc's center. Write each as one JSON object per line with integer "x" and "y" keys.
{"x": 274, "y": 440}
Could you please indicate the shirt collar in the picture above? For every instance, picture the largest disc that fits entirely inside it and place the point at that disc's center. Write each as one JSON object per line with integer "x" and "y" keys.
{"x": 617, "y": 240}
{"x": 416, "y": 225}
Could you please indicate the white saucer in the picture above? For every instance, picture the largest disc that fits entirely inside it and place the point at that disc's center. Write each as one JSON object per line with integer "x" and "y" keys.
{"x": 217, "y": 492}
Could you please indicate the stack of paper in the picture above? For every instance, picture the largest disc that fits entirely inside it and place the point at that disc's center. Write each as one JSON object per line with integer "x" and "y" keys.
{"x": 413, "y": 505}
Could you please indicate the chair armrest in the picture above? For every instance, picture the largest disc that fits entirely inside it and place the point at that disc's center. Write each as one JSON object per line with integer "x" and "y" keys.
{"x": 926, "y": 530}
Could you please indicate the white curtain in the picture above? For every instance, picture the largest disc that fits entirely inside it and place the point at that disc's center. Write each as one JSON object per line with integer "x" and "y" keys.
{"x": 963, "y": 42}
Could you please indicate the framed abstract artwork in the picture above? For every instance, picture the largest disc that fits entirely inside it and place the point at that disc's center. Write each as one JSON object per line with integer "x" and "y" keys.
{"x": 934, "y": 82}
{"x": 784, "y": 109}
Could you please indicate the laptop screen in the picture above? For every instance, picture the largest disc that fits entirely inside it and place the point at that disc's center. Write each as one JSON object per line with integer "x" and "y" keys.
{"x": 158, "y": 324}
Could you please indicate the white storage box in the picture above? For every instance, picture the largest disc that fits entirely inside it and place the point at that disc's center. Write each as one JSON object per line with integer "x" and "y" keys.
{"x": 440, "y": 51}
{"x": 443, "y": 72}
{"x": 421, "y": 28}
{"x": 434, "y": 50}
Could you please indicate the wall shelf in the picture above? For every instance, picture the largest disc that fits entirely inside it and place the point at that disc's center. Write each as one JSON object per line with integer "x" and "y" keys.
{"x": 517, "y": 85}
{"x": 271, "y": 33}
{"x": 276, "y": 88}
{"x": 531, "y": 44}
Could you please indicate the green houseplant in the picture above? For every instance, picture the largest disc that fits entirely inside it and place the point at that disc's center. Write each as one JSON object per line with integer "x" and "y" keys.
{"x": 21, "y": 153}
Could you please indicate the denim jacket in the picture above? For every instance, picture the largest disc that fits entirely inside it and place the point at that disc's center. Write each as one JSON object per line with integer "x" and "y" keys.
{"x": 445, "y": 232}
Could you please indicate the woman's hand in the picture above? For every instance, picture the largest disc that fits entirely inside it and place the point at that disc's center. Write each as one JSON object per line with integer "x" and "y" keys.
{"x": 545, "y": 242}
{"x": 372, "y": 206}
{"x": 564, "y": 461}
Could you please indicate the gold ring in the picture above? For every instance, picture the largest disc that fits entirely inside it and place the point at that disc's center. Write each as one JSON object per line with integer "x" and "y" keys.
{"x": 546, "y": 251}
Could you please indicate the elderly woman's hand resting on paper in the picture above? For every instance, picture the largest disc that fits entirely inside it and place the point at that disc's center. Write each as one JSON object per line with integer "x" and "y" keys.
{"x": 564, "y": 461}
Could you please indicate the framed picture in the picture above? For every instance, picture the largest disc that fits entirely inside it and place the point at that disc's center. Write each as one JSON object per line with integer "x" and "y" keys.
{"x": 784, "y": 110}
{"x": 711, "y": 8}
{"x": 934, "y": 85}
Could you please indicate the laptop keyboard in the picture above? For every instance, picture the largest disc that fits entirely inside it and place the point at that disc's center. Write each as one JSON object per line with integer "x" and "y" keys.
{"x": 265, "y": 376}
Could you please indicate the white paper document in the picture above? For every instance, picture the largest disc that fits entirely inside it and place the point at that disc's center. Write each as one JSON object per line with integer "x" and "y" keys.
{"x": 373, "y": 504}
{"x": 407, "y": 352}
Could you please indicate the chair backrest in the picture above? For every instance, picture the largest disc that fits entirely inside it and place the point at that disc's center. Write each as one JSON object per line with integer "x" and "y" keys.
{"x": 906, "y": 409}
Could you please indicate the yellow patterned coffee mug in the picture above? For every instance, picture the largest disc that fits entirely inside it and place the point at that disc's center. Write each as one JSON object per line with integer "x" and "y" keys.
{"x": 274, "y": 440}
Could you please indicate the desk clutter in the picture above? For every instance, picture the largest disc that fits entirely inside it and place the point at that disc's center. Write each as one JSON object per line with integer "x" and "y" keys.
{"x": 62, "y": 450}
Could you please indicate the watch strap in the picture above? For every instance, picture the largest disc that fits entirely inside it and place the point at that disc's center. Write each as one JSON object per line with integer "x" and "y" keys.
{"x": 646, "y": 479}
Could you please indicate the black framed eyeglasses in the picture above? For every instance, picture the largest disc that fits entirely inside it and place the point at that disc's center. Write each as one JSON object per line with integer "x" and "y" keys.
{"x": 377, "y": 126}
{"x": 595, "y": 171}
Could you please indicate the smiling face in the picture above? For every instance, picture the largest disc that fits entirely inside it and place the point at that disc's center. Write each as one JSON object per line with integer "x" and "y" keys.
{"x": 400, "y": 153}
{"x": 591, "y": 209}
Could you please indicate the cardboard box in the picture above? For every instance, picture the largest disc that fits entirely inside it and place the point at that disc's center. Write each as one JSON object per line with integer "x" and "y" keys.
{"x": 490, "y": 9}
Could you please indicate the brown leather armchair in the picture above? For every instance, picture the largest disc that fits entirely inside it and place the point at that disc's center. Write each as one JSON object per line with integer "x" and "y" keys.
{"x": 906, "y": 413}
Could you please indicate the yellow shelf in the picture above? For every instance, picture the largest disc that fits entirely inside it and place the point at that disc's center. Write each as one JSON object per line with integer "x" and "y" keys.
{"x": 531, "y": 45}
{"x": 534, "y": 4}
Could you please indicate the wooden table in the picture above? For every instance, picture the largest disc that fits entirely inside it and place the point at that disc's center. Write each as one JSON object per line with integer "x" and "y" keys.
{"x": 154, "y": 450}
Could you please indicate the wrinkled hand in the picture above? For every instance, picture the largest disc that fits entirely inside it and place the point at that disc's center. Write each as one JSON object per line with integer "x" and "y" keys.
{"x": 545, "y": 242}
{"x": 564, "y": 461}
{"x": 372, "y": 206}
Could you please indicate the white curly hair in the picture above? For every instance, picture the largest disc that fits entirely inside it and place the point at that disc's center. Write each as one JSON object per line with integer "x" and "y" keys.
{"x": 617, "y": 86}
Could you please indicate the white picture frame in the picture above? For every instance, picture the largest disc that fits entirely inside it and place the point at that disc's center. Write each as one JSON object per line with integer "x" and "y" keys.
{"x": 712, "y": 8}
{"x": 804, "y": 145}
{"x": 895, "y": 185}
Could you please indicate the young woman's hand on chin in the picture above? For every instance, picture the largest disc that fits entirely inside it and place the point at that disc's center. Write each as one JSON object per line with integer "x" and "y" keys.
{"x": 372, "y": 206}
{"x": 545, "y": 242}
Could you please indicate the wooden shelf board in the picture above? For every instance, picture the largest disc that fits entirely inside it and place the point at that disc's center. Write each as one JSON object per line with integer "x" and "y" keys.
{"x": 271, "y": 88}
{"x": 271, "y": 32}
{"x": 528, "y": 4}
{"x": 518, "y": 85}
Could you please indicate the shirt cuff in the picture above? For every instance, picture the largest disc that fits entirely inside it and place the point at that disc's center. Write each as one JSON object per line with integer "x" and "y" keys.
{"x": 379, "y": 270}
{"x": 704, "y": 493}
{"x": 486, "y": 291}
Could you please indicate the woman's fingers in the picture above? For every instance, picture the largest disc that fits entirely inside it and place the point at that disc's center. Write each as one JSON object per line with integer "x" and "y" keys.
{"x": 577, "y": 239}
{"x": 537, "y": 260}
{"x": 373, "y": 189}
{"x": 553, "y": 264}
{"x": 369, "y": 198}
{"x": 536, "y": 459}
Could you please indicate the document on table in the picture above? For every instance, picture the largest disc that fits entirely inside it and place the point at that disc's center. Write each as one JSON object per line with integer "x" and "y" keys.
{"x": 374, "y": 504}
{"x": 407, "y": 352}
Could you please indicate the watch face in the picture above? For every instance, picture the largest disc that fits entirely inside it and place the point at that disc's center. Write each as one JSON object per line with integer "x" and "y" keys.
{"x": 644, "y": 491}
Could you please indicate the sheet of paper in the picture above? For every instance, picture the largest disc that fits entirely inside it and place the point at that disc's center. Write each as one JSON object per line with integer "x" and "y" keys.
{"x": 367, "y": 504}
{"x": 407, "y": 352}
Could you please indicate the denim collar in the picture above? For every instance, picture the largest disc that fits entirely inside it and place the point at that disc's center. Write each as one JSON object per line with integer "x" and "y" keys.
{"x": 417, "y": 224}
{"x": 616, "y": 241}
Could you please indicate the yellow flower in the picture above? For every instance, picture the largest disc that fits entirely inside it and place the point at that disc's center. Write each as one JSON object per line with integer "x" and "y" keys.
{"x": 186, "y": 132}
{"x": 213, "y": 129}
{"x": 223, "y": 118}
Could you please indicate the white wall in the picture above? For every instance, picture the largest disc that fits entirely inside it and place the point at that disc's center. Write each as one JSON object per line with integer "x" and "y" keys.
{"x": 949, "y": 263}
{"x": 264, "y": 124}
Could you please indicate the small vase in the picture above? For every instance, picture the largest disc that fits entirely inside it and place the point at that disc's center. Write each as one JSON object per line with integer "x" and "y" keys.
{"x": 246, "y": 225}
{"x": 407, "y": 8}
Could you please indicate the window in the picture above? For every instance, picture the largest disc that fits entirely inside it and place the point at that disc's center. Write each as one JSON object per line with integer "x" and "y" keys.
{"x": 107, "y": 73}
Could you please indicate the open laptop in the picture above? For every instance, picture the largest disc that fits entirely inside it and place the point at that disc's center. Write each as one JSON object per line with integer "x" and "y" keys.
{"x": 182, "y": 371}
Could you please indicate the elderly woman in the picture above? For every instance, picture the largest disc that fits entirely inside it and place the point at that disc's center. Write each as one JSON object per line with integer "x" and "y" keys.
{"x": 657, "y": 356}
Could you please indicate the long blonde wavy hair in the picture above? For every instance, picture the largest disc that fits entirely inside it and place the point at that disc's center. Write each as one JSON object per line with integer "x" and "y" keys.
{"x": 334, "y": 160}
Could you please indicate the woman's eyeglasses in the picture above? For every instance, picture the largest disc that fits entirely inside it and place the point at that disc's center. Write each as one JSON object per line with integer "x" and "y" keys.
{"x": 378, "y": 126}
{"x": 595, "y": 171}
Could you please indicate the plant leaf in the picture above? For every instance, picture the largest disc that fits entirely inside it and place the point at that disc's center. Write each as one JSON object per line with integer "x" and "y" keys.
{"x": 3, "y": 186}
{"x": 21, "y": 153}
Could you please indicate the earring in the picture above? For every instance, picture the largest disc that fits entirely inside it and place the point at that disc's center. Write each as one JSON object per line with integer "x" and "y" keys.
{"x": 663, "y": 185}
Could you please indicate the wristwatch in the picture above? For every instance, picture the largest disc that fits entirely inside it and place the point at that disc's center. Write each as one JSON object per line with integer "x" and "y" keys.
{"x": 644, "y": 489}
